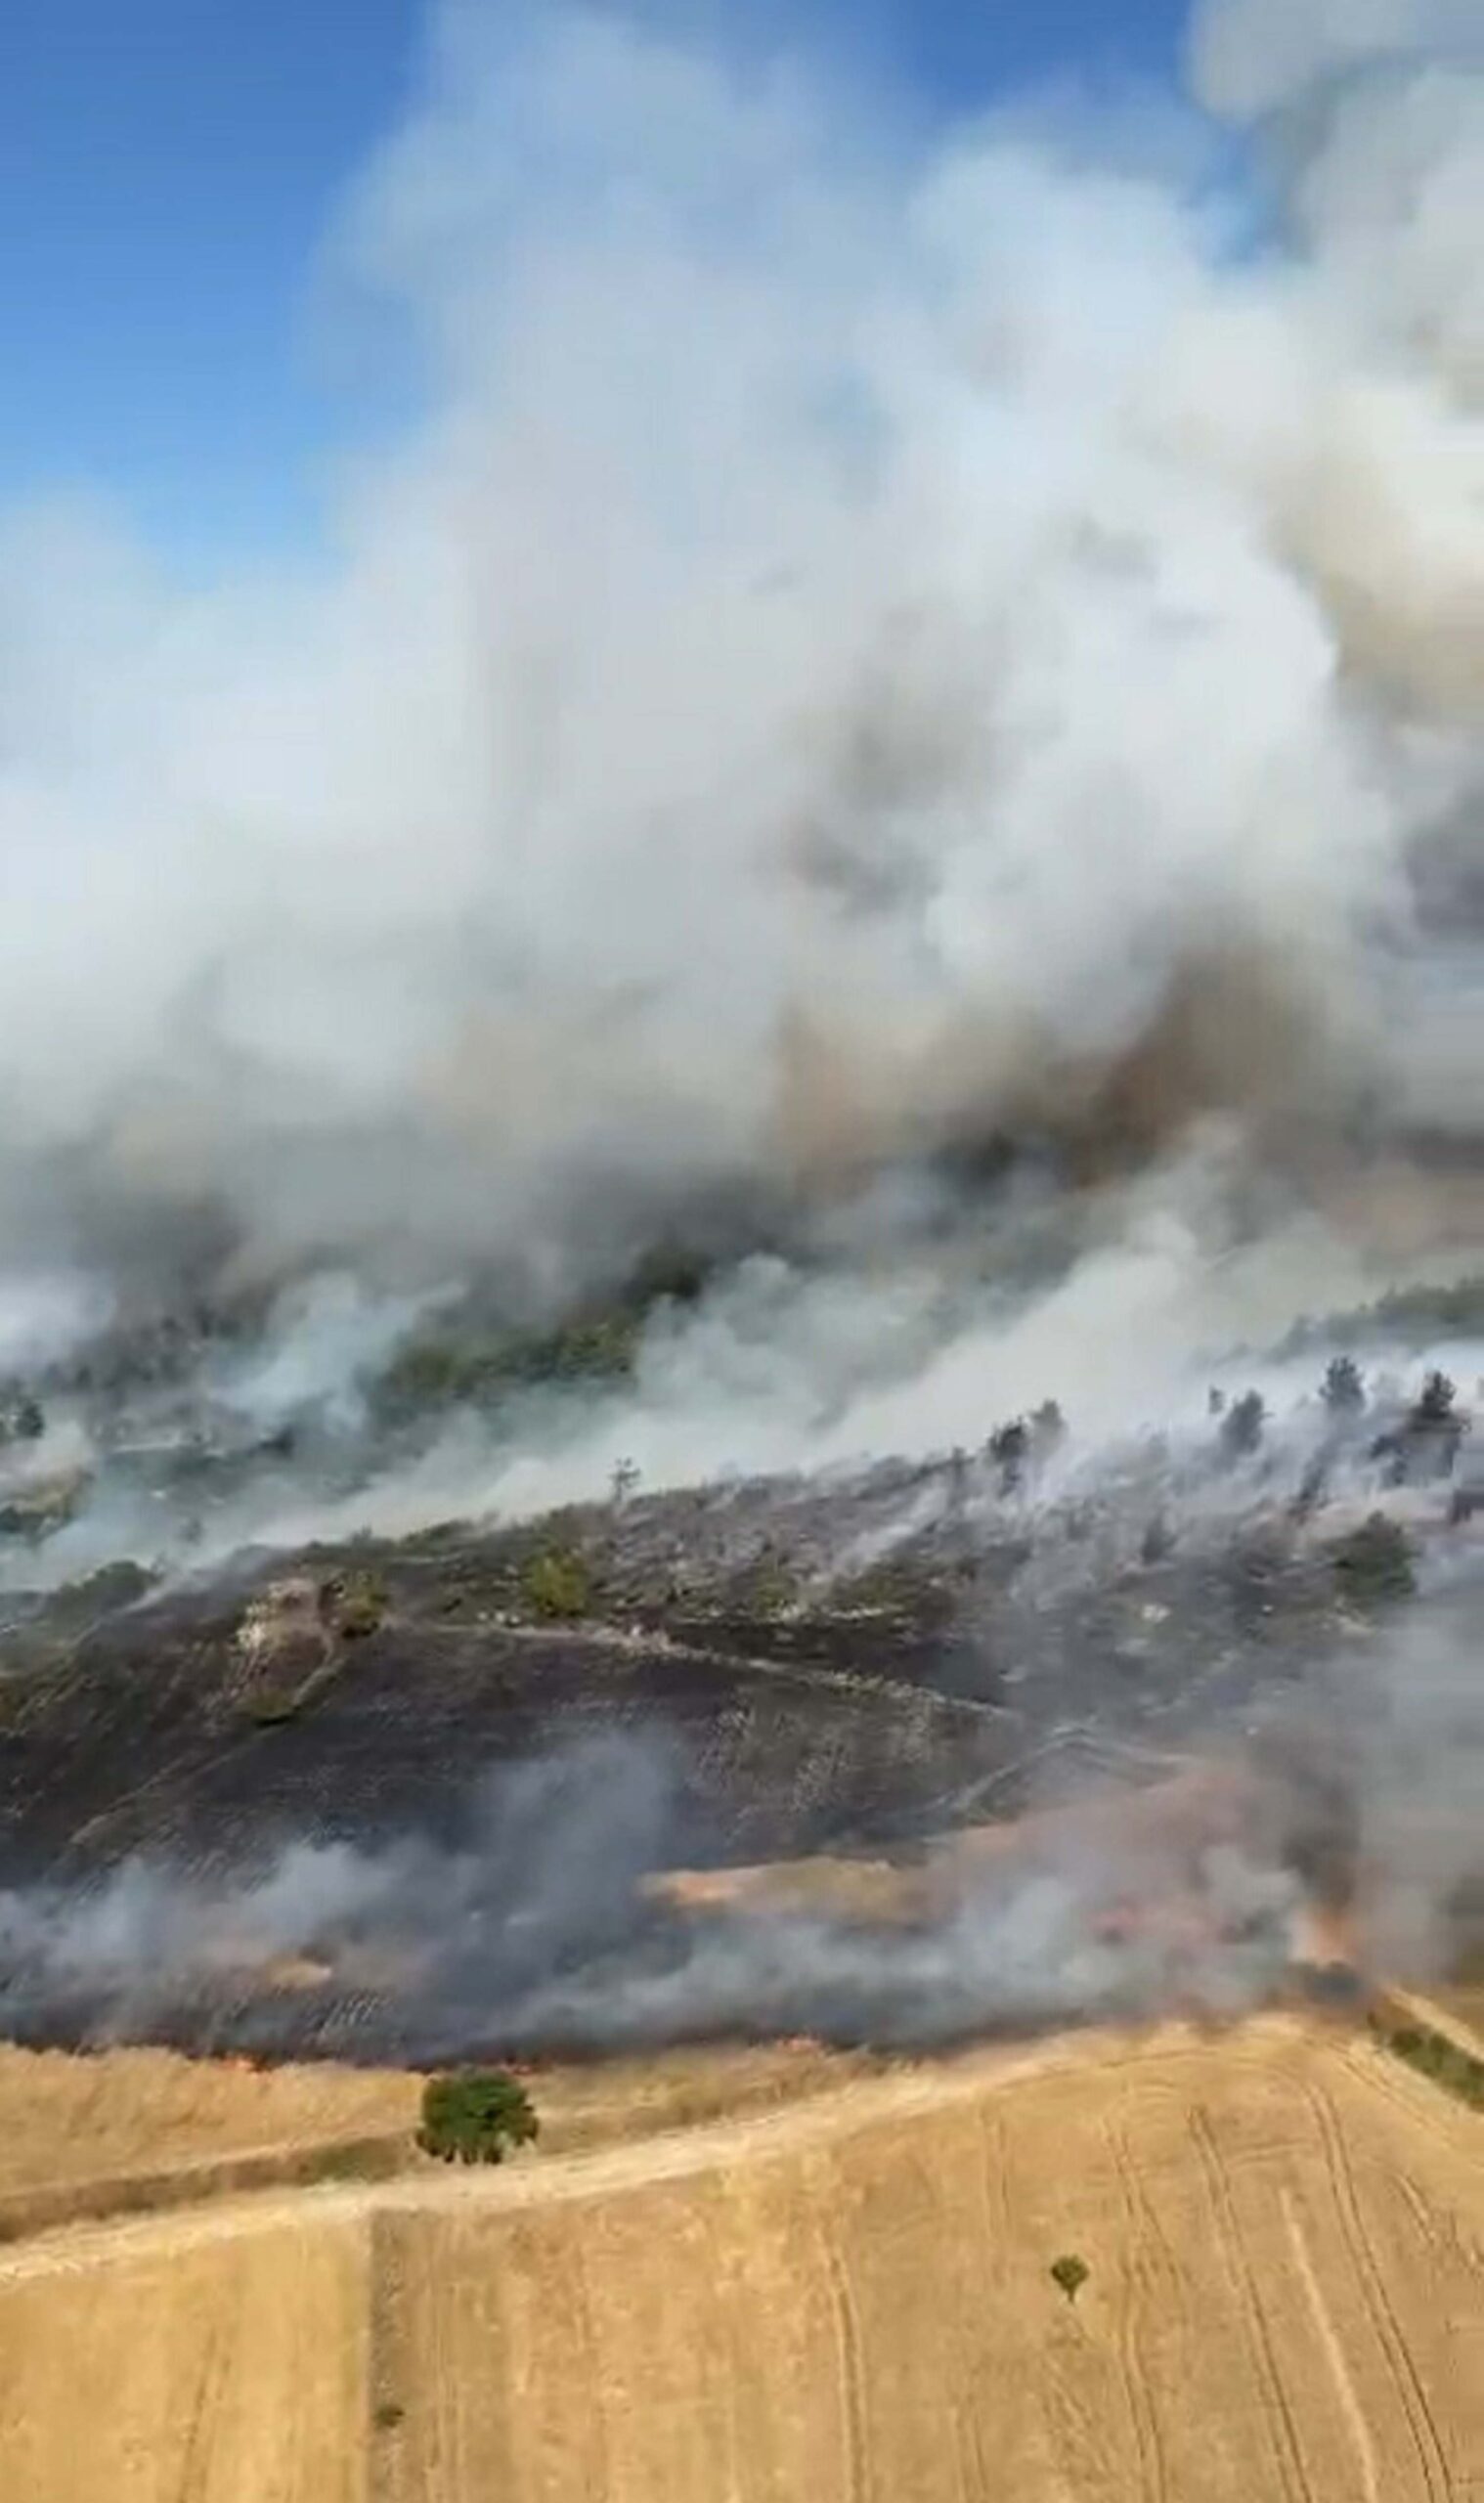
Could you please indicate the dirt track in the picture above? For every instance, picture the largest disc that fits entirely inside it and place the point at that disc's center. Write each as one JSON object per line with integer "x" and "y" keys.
{"x": 843, "y": 2299}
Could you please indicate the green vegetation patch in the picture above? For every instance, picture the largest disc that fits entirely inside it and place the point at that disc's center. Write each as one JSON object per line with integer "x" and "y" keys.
{"x": 356, "y": 1605}
{"x": 1445, "y": 2061}
{"x": 557, "y": 1584}
{"x": 469, "y": 1360}
{"x": 774, "y": 1589}
{"x": 444, "y": 1369}
{"x": 907, "y": 1587}
{"x": 1409, "y": 1315}
{"x": 476, "y": 2116}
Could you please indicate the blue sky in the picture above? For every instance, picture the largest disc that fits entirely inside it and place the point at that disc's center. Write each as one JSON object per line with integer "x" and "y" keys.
{"x": 167, "y": 174}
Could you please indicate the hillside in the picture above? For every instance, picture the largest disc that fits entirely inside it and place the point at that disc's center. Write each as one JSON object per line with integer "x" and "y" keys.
{"x": 402, "y": 1800}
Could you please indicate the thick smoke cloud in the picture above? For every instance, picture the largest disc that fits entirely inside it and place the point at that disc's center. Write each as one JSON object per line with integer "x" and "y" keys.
{"x": 868, "y": 653}
{"x": 1251, "y": 56}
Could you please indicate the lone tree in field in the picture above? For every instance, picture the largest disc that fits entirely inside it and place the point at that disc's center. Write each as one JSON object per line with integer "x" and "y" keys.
{"x": 475, "y": 2116}
{"x": 1070, "y": 2274}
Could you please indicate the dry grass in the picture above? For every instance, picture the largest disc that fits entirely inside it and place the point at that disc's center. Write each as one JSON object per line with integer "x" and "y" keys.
{"x": 131, "y": 2130}
{"x": 1463, "y": 2010}
{"x": 66, "y": 2119}
{"x": 1284, "y": 2232}
{"x": 845, "y": 2298}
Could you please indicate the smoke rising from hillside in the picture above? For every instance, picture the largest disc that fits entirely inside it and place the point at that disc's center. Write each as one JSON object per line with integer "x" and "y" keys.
{"x": 869, "y": 654}
{"x": 532, "y": 1934}
{"x": 533, "y": 1931}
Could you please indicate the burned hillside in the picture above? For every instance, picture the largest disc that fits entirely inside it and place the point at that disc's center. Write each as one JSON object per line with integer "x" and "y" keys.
{"x": 402, "y": 1797}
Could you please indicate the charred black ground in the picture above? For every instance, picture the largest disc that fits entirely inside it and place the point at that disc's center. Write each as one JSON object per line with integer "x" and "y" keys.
{"x": 408, "y": 1798}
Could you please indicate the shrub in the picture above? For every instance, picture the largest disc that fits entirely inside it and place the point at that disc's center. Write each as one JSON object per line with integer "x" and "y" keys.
{"x": 1374, "y": 1564}
{"x": 557, "y": 1586}
{"x": 357, "y": 1603}
{"x": 1070, "y": 2274}
{"x": 774, "y": 1590}
{"x": 475, "y": 2116}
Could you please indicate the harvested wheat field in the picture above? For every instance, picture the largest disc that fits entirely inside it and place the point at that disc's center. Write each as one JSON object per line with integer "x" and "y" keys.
{"x": 845, "y": 2296}
{"x": 66, "y": 2120}
{"x": 119, "y": 2131}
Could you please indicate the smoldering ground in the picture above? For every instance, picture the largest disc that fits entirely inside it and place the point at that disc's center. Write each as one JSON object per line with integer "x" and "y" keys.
{"x": 535, "y": 1935}
{"x": 542, "y": 1921}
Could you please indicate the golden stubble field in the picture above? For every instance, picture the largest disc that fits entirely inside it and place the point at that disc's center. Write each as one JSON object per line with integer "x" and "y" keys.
{"x": 839, "y": 2296}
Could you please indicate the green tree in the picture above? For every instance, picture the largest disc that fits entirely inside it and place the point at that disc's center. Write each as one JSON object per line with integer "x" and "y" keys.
{"x": 1343, "y": 1390}
{"x": 1071, "y": 2274}
{"x": 1435, "y": 1409}
{"x": 475, "y": 2116}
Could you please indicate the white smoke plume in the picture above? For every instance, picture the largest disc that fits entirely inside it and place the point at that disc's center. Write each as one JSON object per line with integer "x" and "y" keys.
{"x": 534, "y": 1931}
{"x": 1249, "y": 56}
{"x": 870, "y": 650}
